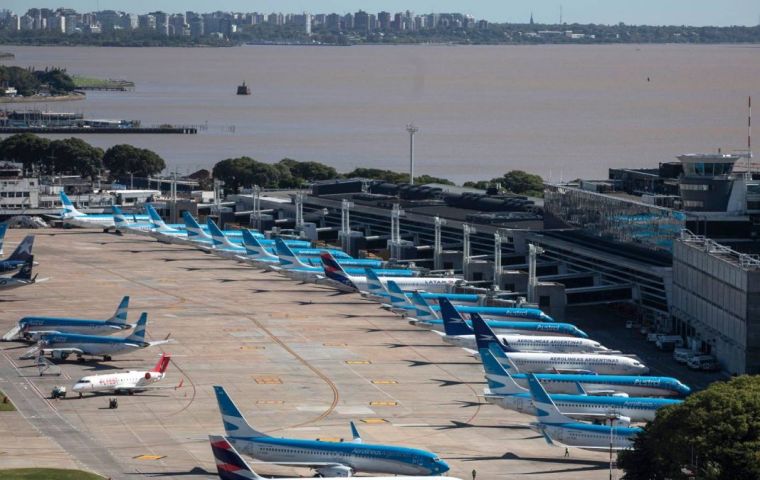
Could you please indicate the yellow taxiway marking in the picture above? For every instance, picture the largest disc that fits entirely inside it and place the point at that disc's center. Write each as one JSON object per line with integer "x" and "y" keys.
{"x": 358, "y": 362}
{"x": 267, "y": 380}
{"x": 374, "y": 420}
{"x": 149, "y": 457}
{"x": 384, "y": 382}
{"x": 383, "y": 403}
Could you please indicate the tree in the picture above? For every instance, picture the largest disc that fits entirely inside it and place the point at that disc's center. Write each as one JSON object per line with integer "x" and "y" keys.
{"x": 74, "y": 155}
{"x": 712, "y": 435}
{"x": 246, "y": 172}
{"x": 126, "y": 159}
{"x": 25, "y": 148}
{"x": 311, "y": 171}
{"x": 521, "y": 182}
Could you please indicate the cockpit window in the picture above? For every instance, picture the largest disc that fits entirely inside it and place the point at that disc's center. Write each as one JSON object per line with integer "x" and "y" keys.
{"x": 83, "y": 380}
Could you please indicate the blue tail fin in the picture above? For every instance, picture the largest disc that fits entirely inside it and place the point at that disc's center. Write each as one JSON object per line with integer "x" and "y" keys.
{"x": 453, "y": 323}
{"x": 356, "y": 438}
{"x": 23, "y": 250}
{"x": 499, "y": 380}
{"x": 3, "y": 229}
{"x": 120, "y": 315}
{"x": 194, "y": 230}
{"x": 155, "y": 218}
{"x": 397, "y": 296}
{"x": 255, "y": 249}
{"x": 234, "y": 422}
{"x": 335, "y": 272}
{"x": 138, "y": 335}
{"x": 25, "y": 272}
{"x": 375, "y": 285}
{"x": 288, "y": 259}
{"x": 484, "y": 336}
{"x": 216, "y": 234}
{"x": 546, "y": 410}
{"x": 119, "y": 220}
{"x": 422, "y": 309}
{"x": 229, "y": 464}
{"x": 69, "y": 210}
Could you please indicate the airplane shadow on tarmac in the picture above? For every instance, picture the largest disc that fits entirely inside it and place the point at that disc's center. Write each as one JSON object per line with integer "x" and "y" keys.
{"x": 196, "y": 471}
{"x": 589, "y": 464}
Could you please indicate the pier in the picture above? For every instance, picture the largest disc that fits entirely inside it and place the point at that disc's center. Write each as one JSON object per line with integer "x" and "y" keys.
{"x": 181, "y": 130}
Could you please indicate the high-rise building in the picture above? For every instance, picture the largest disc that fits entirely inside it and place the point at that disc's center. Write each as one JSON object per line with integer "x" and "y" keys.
{"x": 361, "y": 22}
{"x": 348, "y": 21}
{"x": 333, "y": 22}
{"x": 384, "y": 20}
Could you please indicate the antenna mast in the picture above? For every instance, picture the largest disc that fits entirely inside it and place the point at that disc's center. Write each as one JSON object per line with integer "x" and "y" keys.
{"x": 749, "y": 136}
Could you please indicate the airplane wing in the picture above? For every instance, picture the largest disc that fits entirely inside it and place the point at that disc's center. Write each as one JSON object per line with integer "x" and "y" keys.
{"x": 34, "y": 351}
{"x": 306, "y": 464}
{"x": 572, "y": 371}
{"x": 161, "y": 342}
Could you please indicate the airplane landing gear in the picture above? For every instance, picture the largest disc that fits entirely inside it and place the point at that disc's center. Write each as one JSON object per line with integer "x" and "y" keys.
{"x": 106, "y": 358}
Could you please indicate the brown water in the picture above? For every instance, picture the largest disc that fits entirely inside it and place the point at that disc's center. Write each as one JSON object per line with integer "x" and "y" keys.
{"x": 559, "y": 111}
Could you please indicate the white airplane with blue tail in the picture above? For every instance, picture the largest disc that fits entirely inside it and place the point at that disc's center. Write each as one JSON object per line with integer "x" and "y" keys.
{"x": 555, "y": 426}
{"x": 70, "y": 215}
{"x": 533, "y": 362}
{"x": 231, "y": 466}
{"x": 457, "y": 332}
{"x": 31, "y": 327}
{"x": 330, "y": 459}
{"x": 60, "y": 345}
{"x": 504, "y": 391}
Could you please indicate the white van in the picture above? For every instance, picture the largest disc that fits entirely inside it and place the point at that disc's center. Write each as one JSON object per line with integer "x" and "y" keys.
{"x": 707, "y": 363}
{"x": 682, "y": 355}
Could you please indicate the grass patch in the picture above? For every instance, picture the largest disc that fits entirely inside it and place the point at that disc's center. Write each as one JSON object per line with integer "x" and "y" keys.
{"x": 5, "y": 403}
{"x": 47, "y": 474}
{"x": 90, "y": 82}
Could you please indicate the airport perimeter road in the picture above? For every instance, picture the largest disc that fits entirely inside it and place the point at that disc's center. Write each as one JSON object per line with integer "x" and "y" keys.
{"x": 300, "y": 360}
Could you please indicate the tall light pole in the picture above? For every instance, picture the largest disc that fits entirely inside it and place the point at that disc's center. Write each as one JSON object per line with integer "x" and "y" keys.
{"x": 412, "y": 129}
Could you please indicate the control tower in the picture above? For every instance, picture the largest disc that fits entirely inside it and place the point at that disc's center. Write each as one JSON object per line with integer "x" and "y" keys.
{"x": 708, "y": 183}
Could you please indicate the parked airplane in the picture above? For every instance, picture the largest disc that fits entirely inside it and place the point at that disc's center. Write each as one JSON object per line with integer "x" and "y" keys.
{"x": 381, "y": 292}
{"x": 265, "y": 251}
{"x": 326, "y": 458}
{"x": 553, "y": 425}
{"x": 354, "y": 283}
{"x": 19, "y": 256}
{"x": 532, "y": 362}
{"x": 231, "y": 466}
{"x": 31, "y": 327}
{"x": 126, "y": 382}
{"x": 296, "y": 256}
{"x": 71, "y": 215}
{"x": 457, "y": 332}
{"x": 3, "y": 229}
{"x": 61, "y": 345}
{"x": 22, "y": 278}
{"x": 503, "y": 391}
{"x": 293, "y": 267}
{"x": 420, "y": 307}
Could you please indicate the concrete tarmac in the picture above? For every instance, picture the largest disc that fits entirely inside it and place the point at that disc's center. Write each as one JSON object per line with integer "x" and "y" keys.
{"x": 300, "y": 361}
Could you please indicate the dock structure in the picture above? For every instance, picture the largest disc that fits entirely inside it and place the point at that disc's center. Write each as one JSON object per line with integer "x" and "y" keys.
{"x": 181, "y": 130}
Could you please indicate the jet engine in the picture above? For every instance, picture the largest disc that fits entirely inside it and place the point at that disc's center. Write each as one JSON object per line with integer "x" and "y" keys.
{"x": 335, "y": 471}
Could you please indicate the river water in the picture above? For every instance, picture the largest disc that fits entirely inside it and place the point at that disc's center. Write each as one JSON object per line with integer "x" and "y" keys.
{"x": 563, "y": 112}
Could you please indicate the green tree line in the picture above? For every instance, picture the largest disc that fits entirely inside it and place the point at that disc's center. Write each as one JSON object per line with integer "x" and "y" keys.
{"x": 29, "y": 82}
{"x": 712, "y": 435}
{"x": 74, "y": 156}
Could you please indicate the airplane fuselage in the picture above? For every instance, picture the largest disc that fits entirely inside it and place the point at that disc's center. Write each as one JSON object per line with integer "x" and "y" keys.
{"x": 533, "y": 343}
{"x": 590, "y": 437}
{"x": 632, "y": 385}
{"x": 115, "y": 382}
{"x": 360, "y": 457}
{"x": 535, "y": 362}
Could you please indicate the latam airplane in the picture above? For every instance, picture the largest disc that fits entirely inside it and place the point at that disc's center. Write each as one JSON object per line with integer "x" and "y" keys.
{"x": 31, "y": 327}
{"x": 532, "y": 362}
{"x": 380, "y": 292}
{"x": 503, "y": 391}
{"x": 19, "y": 256}
{"x": 457, "y": 332}
{"x": 71, "y": 215}
{"x": 326, "y": 458}
{"x": 231, "y": 466}
{"x": 355, "y": 283}
{"x": 130, "y": 382}
{"x": 61, "y": 345}
{"x": 554, "y": 425}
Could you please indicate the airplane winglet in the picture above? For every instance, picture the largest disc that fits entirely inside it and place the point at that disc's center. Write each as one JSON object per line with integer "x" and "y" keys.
{"x": 355, "y": 433}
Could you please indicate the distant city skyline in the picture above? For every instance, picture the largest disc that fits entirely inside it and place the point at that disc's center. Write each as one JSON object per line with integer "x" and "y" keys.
{"x": 649, "y": 12}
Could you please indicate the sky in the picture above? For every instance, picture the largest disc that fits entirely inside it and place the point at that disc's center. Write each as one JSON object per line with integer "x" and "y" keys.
{"x": 649, "y": 12}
